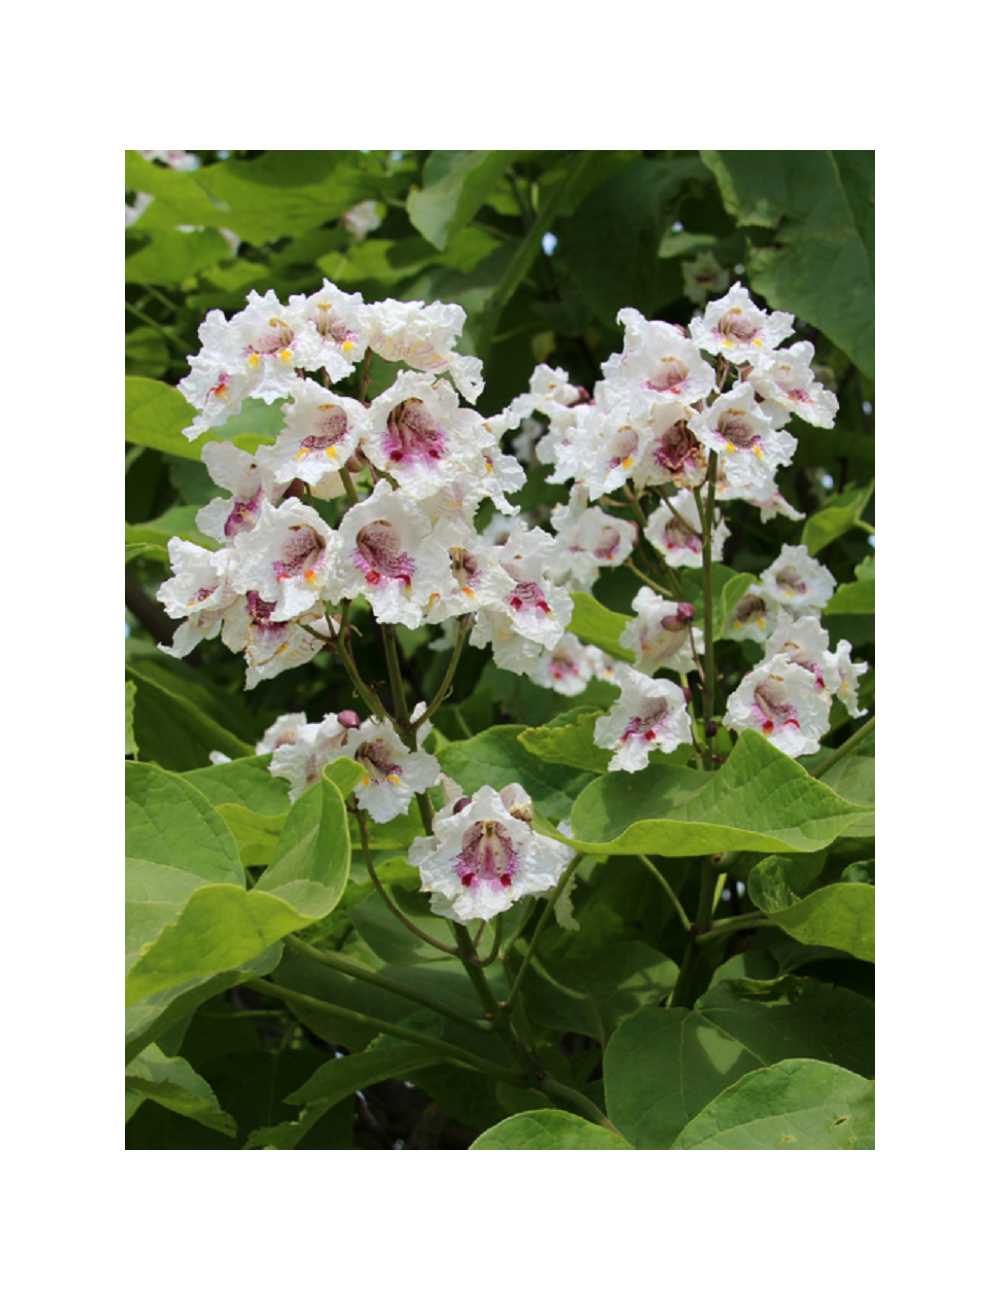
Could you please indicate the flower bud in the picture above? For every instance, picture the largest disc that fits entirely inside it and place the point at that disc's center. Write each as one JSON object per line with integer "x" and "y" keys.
{"x": 348, "y": 718}
{"x": 679, "y": 621}
{"x": 711, "y": 728}
{"x": 460, "y": 804}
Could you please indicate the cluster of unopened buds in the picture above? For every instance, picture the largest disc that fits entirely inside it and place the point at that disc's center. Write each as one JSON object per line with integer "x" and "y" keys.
{"x": 416, "y": 466}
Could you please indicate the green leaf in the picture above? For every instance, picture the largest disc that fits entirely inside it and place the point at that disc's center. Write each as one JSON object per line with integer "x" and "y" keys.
{"x": 792, "y": 1106}
{"x": 612, "y": 242}
{"x": 820, "y": 264}
{"x": 135, "y": 549}
{"x": 496, "y": 758}
{"x": 853, "y": 598}
{"x": 599, "y": 626}
{"x": 178, "y": 521}
{"x": 175, "y": 842}
{"x": 130, "y": 745}
{"x": 247, "y": 782}
{"x": 681, "y": 243}
{"x": 837, "y": 916}
{"x": 593, "y": 995}
{"x": 170, "y": 1081}
{"x": 853, "y": 778}
{"x": 155, "y": 414}
{"x": 171, "y": 728}
{"x": 548, "y": 1130}
{"x": 838, "y": 516}
{"x": 456, "y": 183}
{"x": 732, "y": 593}
{"x": 173, "y": 256}
{"x": 568, "y": 739}
{"x": 761, "y": 801}
{"x": 147, "y": 1019}
{"x": 663, "y": 1067}
{"x": 220, "y": 926}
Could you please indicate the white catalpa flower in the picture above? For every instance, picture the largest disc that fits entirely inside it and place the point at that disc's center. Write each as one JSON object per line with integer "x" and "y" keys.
{"x": 841, "y": 677}
{"x": 567, "y": 669}
{"x": 322, "y": 430}
{"x": 199, "y": 592}
{"x": 269, "y": 646}
{"x": 798, "y": 582}
{"x": 249, "y": 480}
{"x": 588, "y": 540}
{"x": 537, "y": 608}
{"x": 754, "y": 617}
{"x": 482, "y": 858}
{"x": 289, "y": 558}
{"x": 673, "y": 453}
{"x": 735, "y": 425}
{"x": 804, "y": 641}
{"x": 703, "y": 275}
{"x": 424, "y": 337}
{"x": 779, "y": 700}
{"x": 660, "y": 635}
{"x": 300, "y": 761}
{"x": 650, "y": 714}
{"x": 281, "y": 732}
{"x": 476, "y": 578}
{"x": 253, "y": 355}
{"x": 339, "y": 330}
{"x": 739, "y": 330}
{"x": 604, "y": 449}
{"x": 393, "y": 773}
{"x": 787, "y": 386}
{"x": 386, "y": 554}
{"x": 421, "y": 436}
{"x": 674, "y": 528}
{"x": 660, "y": 361}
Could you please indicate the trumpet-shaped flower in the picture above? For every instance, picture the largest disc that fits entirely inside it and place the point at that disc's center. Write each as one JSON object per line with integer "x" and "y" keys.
{"x": 300, "y": 760}
{"x": 338, "y": 331}
{"x": 650, "y": 714}
{"x": 269, "y": 645}
{"x": 675, "y": 530}
{"x": 481, "y": 859}
{"x": 661, "y": 634}
{"x": 423, "y": 337}
{"x": 476, "y": 578}
{"x": 322, "y": 430}
{"x": 735, "y": 425}
{"x": 780, "y": 701}
{"x": 660, "y": 360}
{"x": 798, "y": 582}
{"x": 739, "y": 330}
{"x": 787, "y": 386}
{"x": 393, "y": 773}
{"x": 288, "y": 558}
{"x": 249, "y": 480}
{"x": 199, "y": 592}
{"x": 386, "y": 554}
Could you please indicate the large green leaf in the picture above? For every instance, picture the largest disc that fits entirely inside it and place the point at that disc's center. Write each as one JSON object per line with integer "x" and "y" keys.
{"x": 612, "y": 242}
{"x": 760, "y": 801}
{"x": 664, "y": 1066}
{"x": 548, "y": 1130}
{"x": 150, "y": 1017}
{"x": 172, "y": 256}
{"x": 247, "y": 782}
{"x": 496, "y": 759}
{"x": 820, "y": 265}
{"x": 594, "y": 994}
{"x": 170, "y": 1081}
{"x": 172, "y": 730}
{"x": 839, "y": 515}
{"x": 219, "y": 926}
{"x": 837, "y": 916}
{"x": 792, "y": 1106}
{"x": 456, "y": 182}
{"x": 602, "y": 627}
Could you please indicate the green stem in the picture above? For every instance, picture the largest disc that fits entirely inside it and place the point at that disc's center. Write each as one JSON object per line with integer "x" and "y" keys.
{"x": 748, "y": 921}
{"x": 347, "y": 966}
{"x": 553, "y": 1088}
{"x": 670, "y": 595}
{"x": 347, "y": 659}
{"x": 708, "y": 516}
{"x": 550, "y": 907}
{"x": 373, "y": 875}
{"x": 445, "y": 687}
{"x": 669, "y": 892}
{"x": 491, "y": 956}
{"x": 396, "y": 679}
{"x": 850, "y": 743}
{"x": 457, "y": 1054}
{"x": 683, "y": 995}
{"x": 349, "y": 488}
{"x": 364, "y": 375}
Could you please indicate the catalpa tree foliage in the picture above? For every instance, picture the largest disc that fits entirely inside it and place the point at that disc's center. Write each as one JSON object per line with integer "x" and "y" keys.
{"x": 500, "y": 658}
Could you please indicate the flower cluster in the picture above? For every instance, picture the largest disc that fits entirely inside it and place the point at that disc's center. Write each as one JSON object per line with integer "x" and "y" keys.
{"x": 697, "y": 419}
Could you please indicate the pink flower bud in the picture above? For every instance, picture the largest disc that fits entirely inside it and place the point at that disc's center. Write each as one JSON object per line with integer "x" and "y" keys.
{"x": 348, "y": 718}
